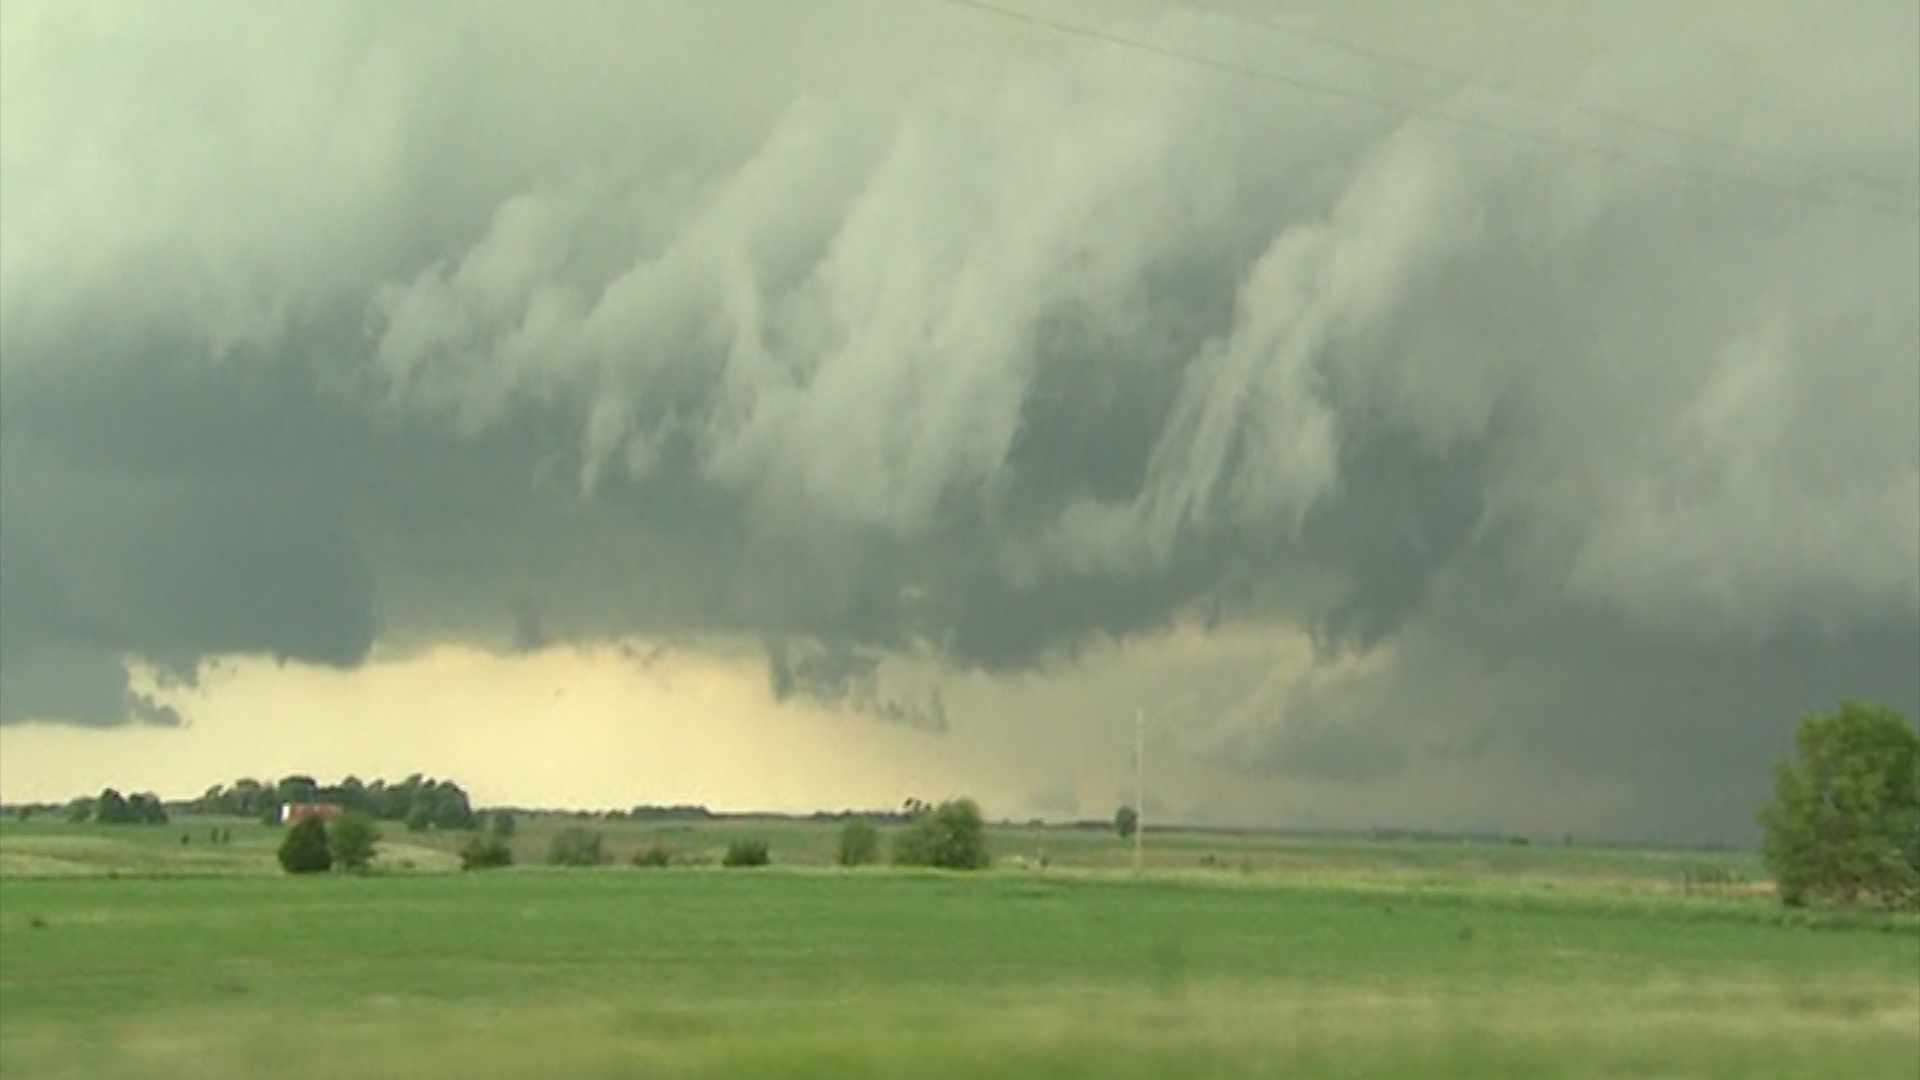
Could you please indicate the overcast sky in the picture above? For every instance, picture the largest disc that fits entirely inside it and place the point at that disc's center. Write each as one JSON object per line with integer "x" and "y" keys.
{"x": 785, "y": 405}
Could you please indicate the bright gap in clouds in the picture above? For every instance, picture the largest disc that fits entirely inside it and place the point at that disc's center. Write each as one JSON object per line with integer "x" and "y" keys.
{"x": 615, "y": 727}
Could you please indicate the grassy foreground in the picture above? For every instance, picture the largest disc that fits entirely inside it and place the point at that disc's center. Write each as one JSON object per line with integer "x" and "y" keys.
{"x": 801, "y": 973}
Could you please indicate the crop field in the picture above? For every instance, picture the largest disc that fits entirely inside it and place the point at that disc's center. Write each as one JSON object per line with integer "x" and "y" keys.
{"x": 126, "y": 953}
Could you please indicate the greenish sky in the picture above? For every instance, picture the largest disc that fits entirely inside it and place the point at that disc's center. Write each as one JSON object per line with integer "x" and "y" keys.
{"x": 896, "y": 394}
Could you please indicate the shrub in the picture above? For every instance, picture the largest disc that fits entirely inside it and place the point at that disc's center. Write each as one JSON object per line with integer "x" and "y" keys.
{"x": 859, "y": 843}
{"x": 654, "y": 856}
{"x": 576, "y": 846}
{"x": 352, "y": 843}
{"x": 304, "y": 850}
{"x": 1125, "y": 821}
{"x": 746, "y": 853}
{"x": 486, "y": 851}
{"x": 952, "y": 836}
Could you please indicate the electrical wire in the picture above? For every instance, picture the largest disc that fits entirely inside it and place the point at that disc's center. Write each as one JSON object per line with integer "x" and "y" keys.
{"x": 1875, "y": 184}
{"x": 1798, "y": 192}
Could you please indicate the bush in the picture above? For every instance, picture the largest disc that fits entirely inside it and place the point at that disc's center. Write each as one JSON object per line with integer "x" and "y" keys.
{"x": 1844, "y": 823}
{"x": 305, "y": 850}
{"x": 352, "y": 842}
{"x": 859, "y": 843}
{"x": 746, "y": 853}
{"x": 576, "y": 846}
{"x": 952, "y": 836}
{"x": 654, "y": 856}
{"x": 501, "y": 823}
{"x": 487, "y": 851}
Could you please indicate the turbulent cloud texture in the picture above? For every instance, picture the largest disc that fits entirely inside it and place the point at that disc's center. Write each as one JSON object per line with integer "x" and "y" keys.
{"x": 875, "y": 330}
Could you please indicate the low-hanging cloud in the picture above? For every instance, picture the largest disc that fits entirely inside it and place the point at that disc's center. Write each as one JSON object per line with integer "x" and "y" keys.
{"x": 979, "y": 365}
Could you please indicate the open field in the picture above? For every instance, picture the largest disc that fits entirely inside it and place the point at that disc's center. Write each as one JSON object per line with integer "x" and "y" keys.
{"x": 1319, "y": 959}
{"x": 46, "y": 847}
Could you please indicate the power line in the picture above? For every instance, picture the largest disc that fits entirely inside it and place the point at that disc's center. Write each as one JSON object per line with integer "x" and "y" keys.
{"x": 1201, "y": 60}
{"x": 1139, "y": 789}
{"x": 1875, "y": 184}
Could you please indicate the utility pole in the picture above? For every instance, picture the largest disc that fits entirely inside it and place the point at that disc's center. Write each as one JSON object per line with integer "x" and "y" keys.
{"x": 1139, "y": 788}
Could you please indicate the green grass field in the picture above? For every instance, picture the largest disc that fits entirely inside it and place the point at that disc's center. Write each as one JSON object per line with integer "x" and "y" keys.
{"x": 1283, "y": 958}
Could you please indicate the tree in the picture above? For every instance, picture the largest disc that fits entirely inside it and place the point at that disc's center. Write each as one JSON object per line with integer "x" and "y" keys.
{"x": 1844, "y": 823}
{"x": 1125, "y": 821}
{"x": 575, "y": 846}
{"x": 352, "y": 842}
{"x": 145, "y": 808}
{"x": 305, "y": 851}
{"x": 297, "y": 789}
{"x": 951, "y": 836}
{"x": 111, "y": 808}
{"x": 859, "y": 843}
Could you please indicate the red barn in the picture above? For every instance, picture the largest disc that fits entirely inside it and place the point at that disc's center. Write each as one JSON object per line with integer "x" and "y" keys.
{"x": 294, "y": 812}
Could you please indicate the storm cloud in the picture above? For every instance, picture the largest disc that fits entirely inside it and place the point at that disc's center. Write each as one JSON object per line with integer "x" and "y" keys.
{"x": 901, "y": 330}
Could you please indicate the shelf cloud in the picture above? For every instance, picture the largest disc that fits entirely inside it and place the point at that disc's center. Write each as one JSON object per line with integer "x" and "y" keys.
{"x": 365, "y": 326}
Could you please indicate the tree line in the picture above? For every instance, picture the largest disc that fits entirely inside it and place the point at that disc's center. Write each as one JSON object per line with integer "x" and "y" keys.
{"x": 421, "y": 802}
{"x": 112, "y": 808}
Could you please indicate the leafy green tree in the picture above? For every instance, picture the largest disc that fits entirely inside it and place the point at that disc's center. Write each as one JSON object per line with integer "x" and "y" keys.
{"x": 1126, "y": 821}
{"x": 951, "y": 836}
{"x": 111, "y": 808}
{"x": 576, "y": 846}
{"x": 305, "y": 850}
{"x": 145, "y": 808}
{"x": 1844, "y": 823}
{"x": 746, "y": 853}
{"x": 297, "y": 789}
{"x": 859, "y": 843}
{"x": 501, "y": 823}
{"x": 352, "y": 842}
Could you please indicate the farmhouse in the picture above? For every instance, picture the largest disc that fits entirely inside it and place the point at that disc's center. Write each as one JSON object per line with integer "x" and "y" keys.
{"x": 293, "y": 812}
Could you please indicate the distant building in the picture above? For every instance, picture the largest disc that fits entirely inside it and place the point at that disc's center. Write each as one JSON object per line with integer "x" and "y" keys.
{"x": 295, "y": 812}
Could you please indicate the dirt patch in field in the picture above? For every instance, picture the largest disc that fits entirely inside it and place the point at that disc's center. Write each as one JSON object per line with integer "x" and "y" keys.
{"x": 401, "y": 858}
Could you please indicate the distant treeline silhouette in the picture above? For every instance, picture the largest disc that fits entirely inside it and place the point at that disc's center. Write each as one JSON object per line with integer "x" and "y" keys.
{"x": 420, "y": 801}
{"x": 111, "y": 808}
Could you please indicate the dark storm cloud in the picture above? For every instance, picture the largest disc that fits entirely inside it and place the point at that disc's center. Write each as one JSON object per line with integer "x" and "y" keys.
{"x": 169, "y": 511}
{"x": 1607, "y": 458}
